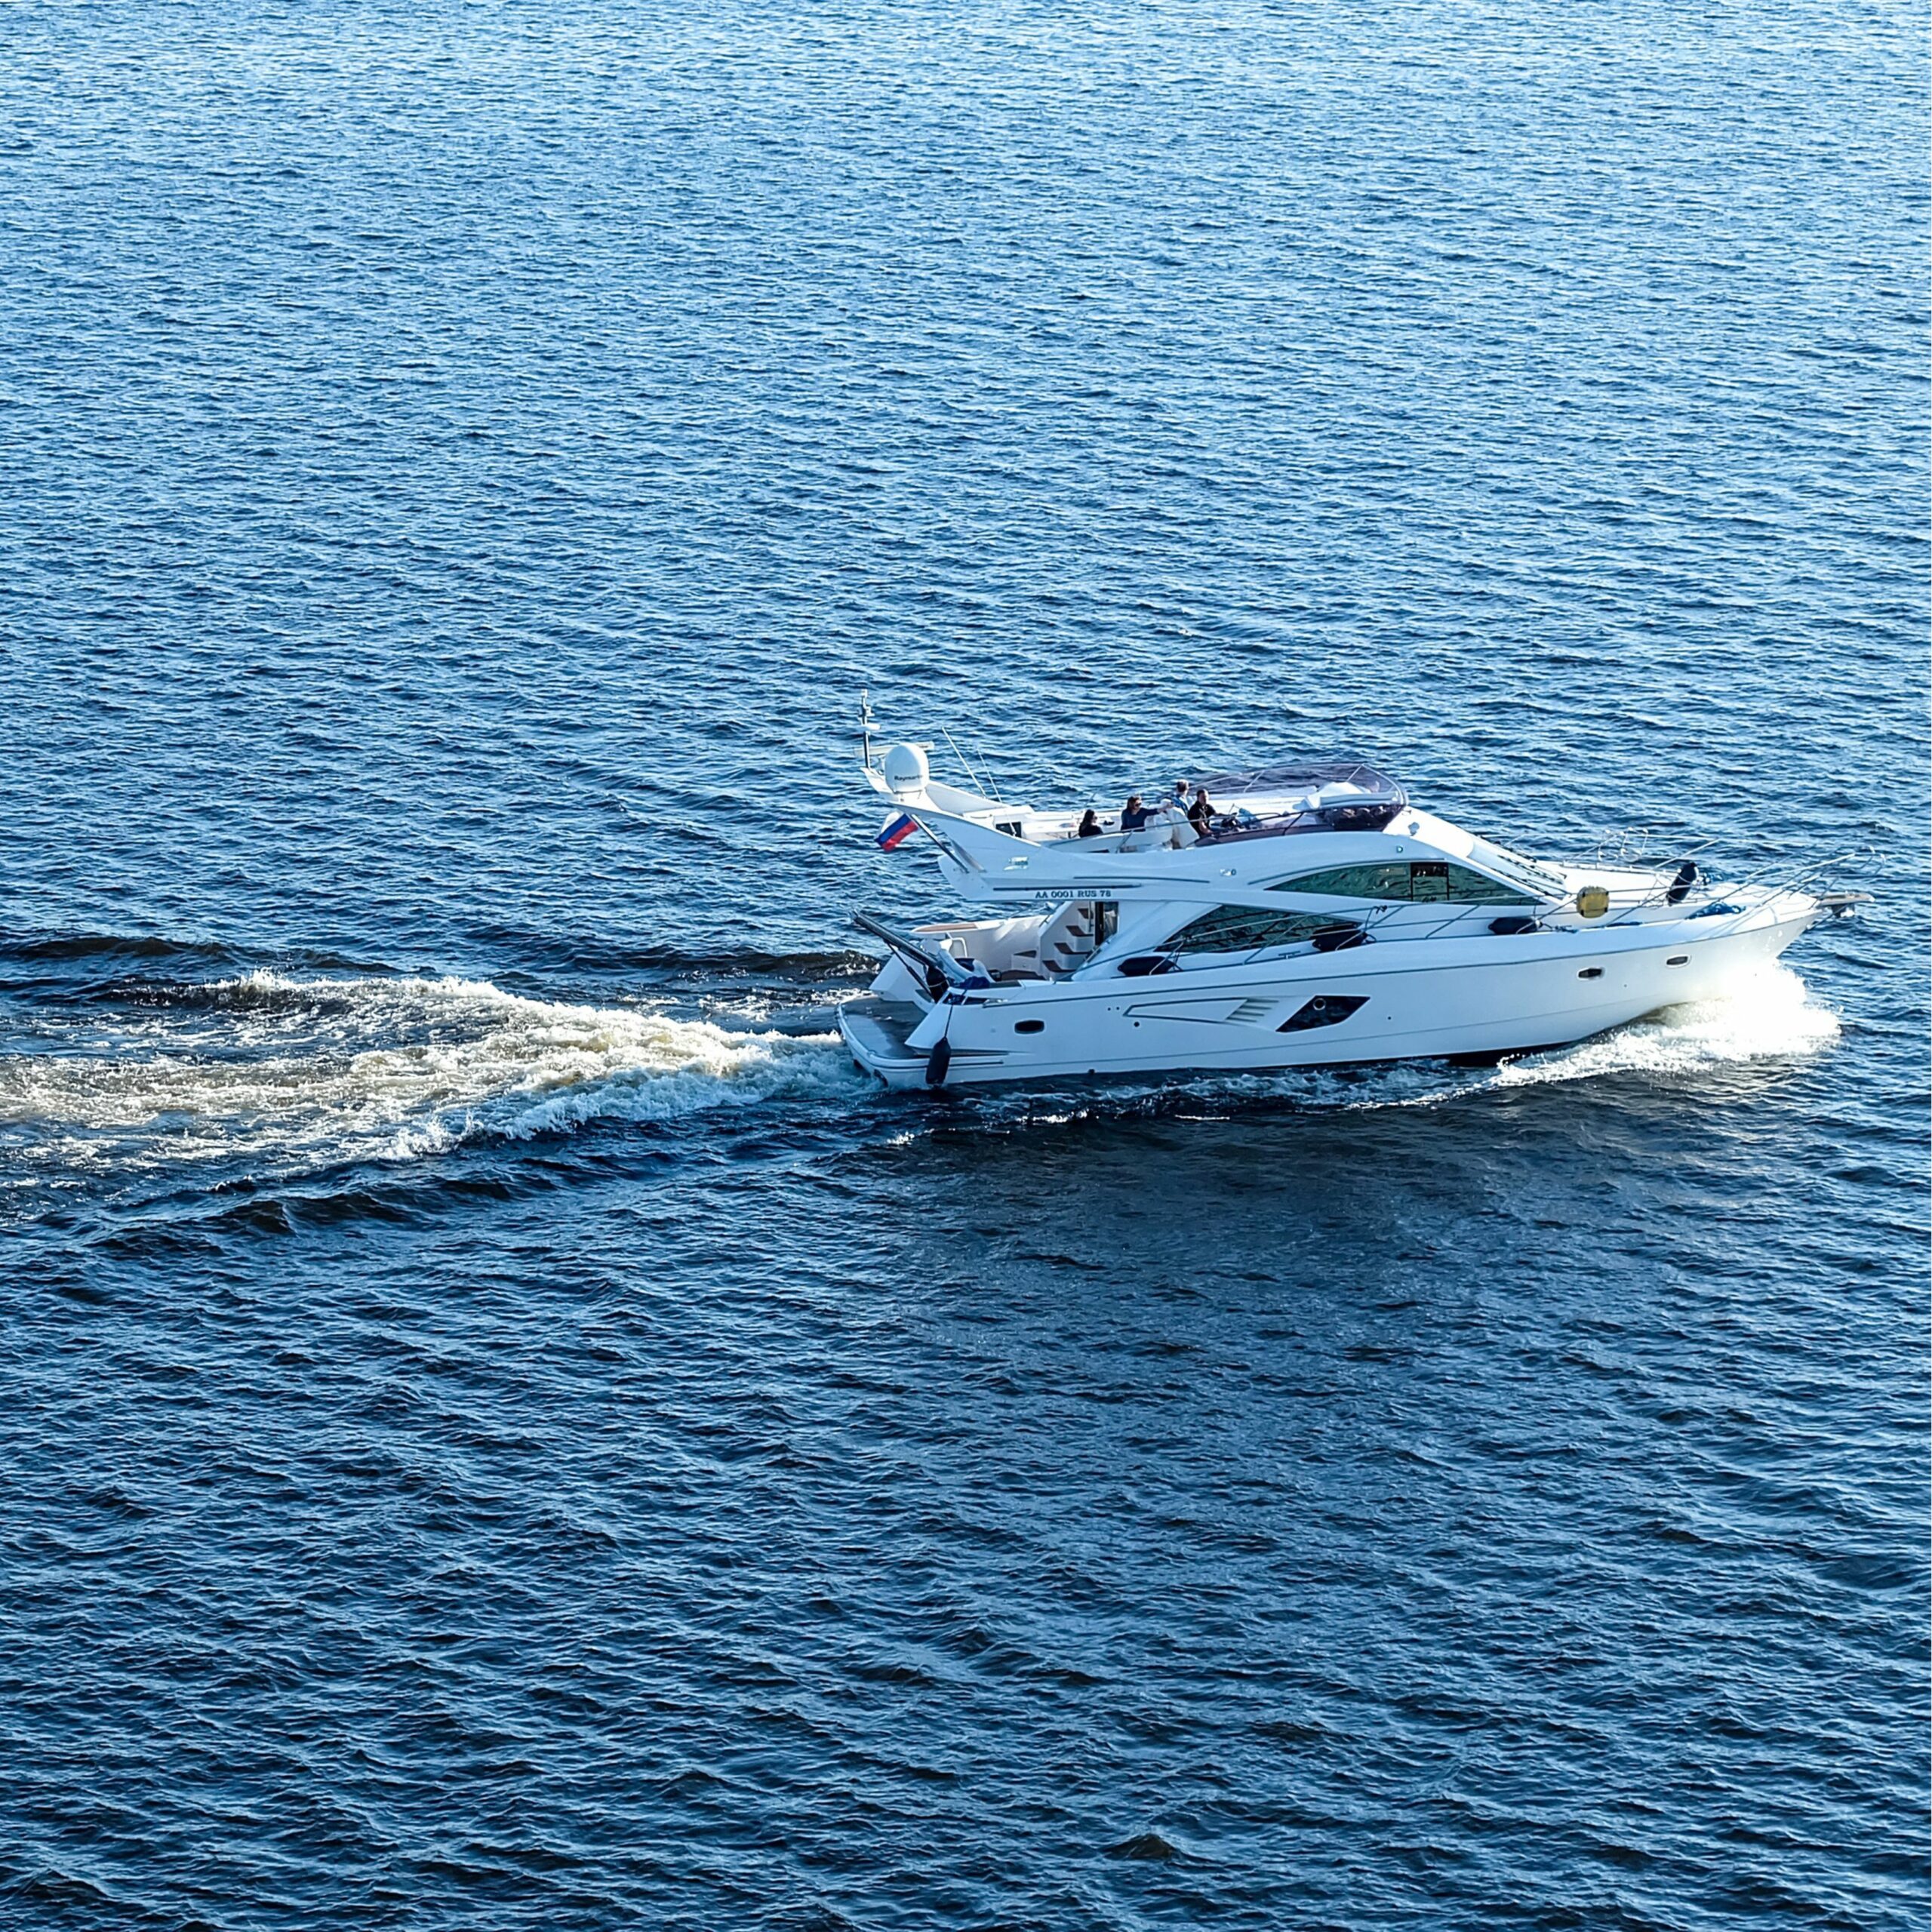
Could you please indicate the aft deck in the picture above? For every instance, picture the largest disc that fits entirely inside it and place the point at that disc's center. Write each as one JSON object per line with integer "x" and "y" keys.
{"x": 879, "y": 1028}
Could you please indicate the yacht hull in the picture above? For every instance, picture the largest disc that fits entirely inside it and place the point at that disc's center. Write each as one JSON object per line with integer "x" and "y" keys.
{"x": 1427, "y": 1000}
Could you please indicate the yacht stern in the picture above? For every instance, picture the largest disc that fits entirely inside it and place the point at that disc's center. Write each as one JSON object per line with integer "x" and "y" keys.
{"x": 875, "y": 1032}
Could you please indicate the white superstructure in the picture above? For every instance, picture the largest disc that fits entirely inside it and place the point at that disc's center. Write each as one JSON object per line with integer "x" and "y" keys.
{"x": 1309, "y": 915}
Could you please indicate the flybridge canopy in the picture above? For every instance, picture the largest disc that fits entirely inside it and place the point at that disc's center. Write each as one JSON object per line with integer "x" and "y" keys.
{"x": 1340, "y": 794}
{"x": 1344, "y": 775}
{"x": 1329, "y": 794}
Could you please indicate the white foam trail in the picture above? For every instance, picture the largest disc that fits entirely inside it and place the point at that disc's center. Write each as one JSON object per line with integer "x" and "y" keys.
{"x": 1767, "y": 1014}
{"x": 294, "y": 1071}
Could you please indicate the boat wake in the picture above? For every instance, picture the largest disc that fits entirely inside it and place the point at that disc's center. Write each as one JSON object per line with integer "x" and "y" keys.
{"x": 288, "y": 1073}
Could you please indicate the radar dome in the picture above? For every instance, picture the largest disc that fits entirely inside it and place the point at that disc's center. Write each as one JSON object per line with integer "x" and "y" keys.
{"x": 906, "y": 771}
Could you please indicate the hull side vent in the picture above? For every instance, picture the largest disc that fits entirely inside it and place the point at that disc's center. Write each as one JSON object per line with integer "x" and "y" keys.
{"x": 1324, "y": 1010}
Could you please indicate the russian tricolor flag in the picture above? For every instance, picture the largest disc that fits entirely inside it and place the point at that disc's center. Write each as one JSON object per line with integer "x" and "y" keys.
{"x": 895, "y": 834}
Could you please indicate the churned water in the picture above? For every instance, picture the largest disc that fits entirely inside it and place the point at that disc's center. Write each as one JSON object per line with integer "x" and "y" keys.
{"x": 503, "y": 1426}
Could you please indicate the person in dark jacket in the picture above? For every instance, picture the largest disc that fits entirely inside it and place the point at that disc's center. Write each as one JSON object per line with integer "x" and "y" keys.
{"x": 1133, "y": 815}
{"x": 1090, "y": 824}
{"x": 1201, "y": 810}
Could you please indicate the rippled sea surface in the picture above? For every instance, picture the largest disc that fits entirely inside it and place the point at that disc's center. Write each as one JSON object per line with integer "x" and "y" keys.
{"x": 503, "y": 1427}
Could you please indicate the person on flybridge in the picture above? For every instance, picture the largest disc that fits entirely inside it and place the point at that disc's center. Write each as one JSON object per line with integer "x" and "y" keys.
{"x": 1192, "y": 803}
{"x": 1172, "y": 814}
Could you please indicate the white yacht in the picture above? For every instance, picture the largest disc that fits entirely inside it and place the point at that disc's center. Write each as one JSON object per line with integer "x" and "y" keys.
{"x": 1304, "y": 915}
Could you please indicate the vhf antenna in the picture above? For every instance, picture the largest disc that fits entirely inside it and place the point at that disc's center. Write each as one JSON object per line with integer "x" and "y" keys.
{"x": 865, "y": 726}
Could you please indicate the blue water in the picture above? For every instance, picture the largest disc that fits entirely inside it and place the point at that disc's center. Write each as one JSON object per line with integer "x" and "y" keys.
{"x": 502, "y": 1427}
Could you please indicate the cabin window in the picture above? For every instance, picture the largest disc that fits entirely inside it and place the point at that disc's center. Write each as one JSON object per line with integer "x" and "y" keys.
{"x": 1351, "y": 882}
{"x": 1247, "y": 928}
{"x": 1419, "y": 882}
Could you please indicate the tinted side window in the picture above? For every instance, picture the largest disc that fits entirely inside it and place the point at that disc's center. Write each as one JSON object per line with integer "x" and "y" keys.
{"x": 1426, "y": 881}
{"x": 1243, "y": 928}
{"x": 1352, "y": 882}
{"x": 1462, "y": 885}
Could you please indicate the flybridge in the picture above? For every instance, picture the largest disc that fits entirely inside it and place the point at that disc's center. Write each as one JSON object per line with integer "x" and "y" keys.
{"x": 1206, "y": 809}
{"x": 1337, "y": 797}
